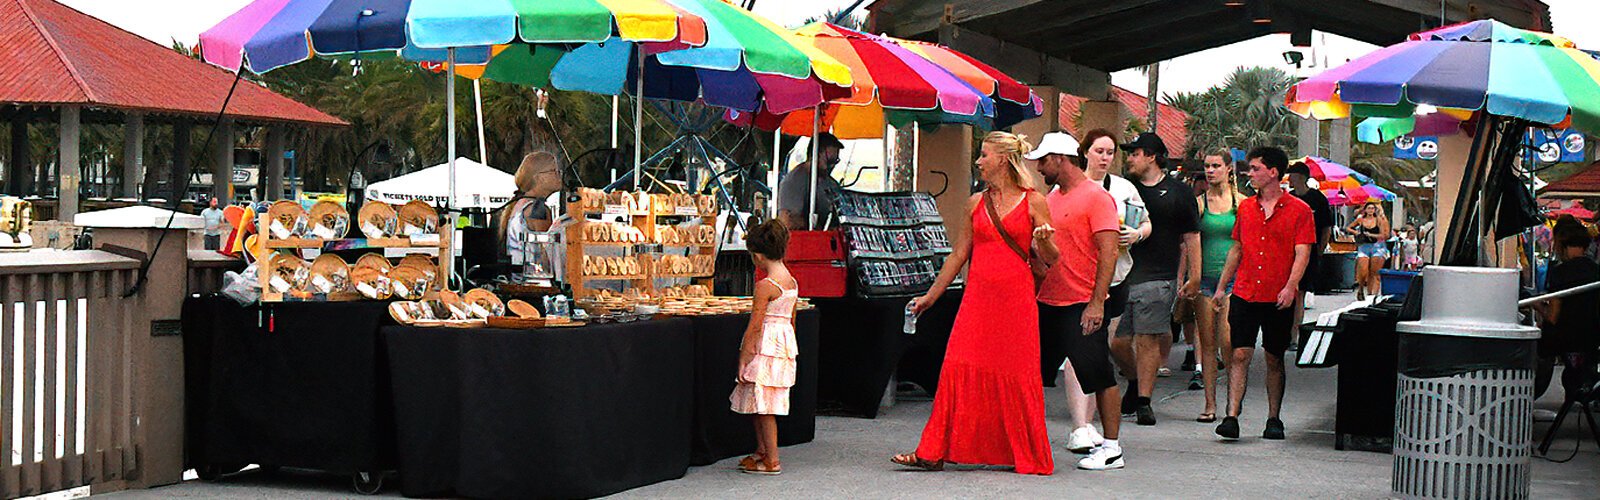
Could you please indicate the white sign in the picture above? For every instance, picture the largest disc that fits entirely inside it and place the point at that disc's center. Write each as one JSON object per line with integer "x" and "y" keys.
{"x": 1428, "y": 150}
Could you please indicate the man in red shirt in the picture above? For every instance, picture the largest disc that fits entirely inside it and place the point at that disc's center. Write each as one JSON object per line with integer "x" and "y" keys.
{"x": 1275, "y": 233}
{"x": 1072, "y": 297}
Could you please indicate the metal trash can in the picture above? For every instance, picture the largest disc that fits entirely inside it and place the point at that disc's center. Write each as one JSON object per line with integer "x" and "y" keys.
{"x": 1464, "y": 401}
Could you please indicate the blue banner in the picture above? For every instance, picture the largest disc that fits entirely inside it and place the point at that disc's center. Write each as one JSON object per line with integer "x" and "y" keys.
{"x": 1557, "y": 146}
{"x": 1416, "y": 148}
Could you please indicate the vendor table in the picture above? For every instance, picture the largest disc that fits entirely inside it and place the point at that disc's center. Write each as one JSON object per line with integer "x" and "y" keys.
{"x": 286, "y": 384}
{"x": 862, "y": 344}
{"x": 720, "y": 433}
{"x": 568, "y": 413}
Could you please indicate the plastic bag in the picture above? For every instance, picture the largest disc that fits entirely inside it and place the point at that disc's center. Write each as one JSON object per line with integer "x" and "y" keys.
{"x": 243, "y": 288}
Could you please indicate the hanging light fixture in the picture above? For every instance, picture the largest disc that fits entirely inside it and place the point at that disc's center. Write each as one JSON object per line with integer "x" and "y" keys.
{"x": 1233, "y": 3}
{"x": 1260, "y": 12}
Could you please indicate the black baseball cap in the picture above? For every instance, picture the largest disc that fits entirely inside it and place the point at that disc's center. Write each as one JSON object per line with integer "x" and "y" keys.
{"x": 1298, "y": 167}
{"x": 1147, "y": 141}
{"x": 827, "y": 140}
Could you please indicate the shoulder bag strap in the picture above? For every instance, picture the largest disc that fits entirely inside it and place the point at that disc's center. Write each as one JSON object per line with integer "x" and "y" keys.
{"x": 994, "y": 219}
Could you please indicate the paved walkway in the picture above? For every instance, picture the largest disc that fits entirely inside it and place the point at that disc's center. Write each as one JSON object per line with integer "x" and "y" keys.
{"x": 1178, "y": 458}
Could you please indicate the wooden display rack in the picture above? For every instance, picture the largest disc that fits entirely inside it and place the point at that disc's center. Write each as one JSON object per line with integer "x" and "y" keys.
{"x": 645, "y": 221}
{"x": 272, "y": 245}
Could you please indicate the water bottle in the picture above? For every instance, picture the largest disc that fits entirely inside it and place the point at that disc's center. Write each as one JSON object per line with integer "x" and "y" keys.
{"x": 911, "y": 320}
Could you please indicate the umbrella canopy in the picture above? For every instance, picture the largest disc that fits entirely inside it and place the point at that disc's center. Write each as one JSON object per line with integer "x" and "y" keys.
{"x": 1323, "y": 169}
{"x": 1481, "y": 66}
{"x": 477, "y": 186}
{"x": 904, "y": 81}
{"x": 269, "y": 34}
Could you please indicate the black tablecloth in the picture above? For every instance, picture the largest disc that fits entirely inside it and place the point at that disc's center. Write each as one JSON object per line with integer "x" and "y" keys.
{"x": 289, "y": 384}
{"x": 559, "y": 413}
{"x": 862, "y": 343}
{"x": 720, "y": 433}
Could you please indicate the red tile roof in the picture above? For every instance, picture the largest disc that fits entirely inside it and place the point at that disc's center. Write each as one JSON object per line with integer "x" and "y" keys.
{"x": 53, "y": 54}
{"x": 1171, "y": 124}
{"x": 1585, "y": 181}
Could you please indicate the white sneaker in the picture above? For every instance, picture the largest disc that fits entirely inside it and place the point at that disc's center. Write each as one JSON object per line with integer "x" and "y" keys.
{"x": 1102, "y": 458}
{"x": 1083, "y": 440}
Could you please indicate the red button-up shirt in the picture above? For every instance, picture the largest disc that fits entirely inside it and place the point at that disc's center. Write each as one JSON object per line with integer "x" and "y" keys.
{"x": 1266, "y": 245}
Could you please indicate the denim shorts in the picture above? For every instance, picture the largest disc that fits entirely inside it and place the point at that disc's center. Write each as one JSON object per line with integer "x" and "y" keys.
{"x": 1378, "y": 250}
{"x": 1208, "y": 286}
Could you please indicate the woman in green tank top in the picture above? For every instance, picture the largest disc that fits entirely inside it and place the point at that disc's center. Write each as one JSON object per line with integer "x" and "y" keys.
{"x": 1209, "y": 325}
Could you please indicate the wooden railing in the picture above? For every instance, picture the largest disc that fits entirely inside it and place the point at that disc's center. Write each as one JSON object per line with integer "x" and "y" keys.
{"x": 68, "y": 408}
{"x": 206, "y": 268}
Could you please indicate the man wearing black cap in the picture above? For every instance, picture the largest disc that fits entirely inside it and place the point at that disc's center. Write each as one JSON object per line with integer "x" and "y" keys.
{"x": 1300, "y": 187}
{"x": 794, "y": 195}
{"x": 1145, "y": 331}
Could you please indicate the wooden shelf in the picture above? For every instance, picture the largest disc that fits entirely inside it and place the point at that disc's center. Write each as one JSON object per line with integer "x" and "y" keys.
{"x": 346, "y": 243}
{"x": 612, "y": 244}
{"x": 682, "y": 276}
{"x": 615, "y": 278}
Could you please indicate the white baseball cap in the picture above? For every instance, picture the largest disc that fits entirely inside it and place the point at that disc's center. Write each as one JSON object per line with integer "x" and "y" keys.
{"x": 1054, "y": 143}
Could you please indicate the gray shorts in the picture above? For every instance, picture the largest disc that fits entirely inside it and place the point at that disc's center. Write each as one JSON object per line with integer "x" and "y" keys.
{"x": 1149, "y": 309}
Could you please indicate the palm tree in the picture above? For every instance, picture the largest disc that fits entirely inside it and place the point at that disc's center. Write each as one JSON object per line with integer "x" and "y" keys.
{"x": 1245, "y": 111}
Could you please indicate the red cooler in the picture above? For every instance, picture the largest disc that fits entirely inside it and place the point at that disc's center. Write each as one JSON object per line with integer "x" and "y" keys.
{"x": 816, "y": 259}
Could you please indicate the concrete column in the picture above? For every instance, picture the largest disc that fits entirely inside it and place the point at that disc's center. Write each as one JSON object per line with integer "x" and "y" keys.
{"x": 947, "y": 149}
{"x": 222, "y": 163}
{"x": 1310, "y": 137}
{"x": 271, "y": 184}
{"x": 69, "y": 173}
{"x": 1454, "y": 152}
{"x": 132, "y": 154}
{"x": 1339, "y": 141}
{"x": 19, "y": 174}
{"x": 1048, "y": 122}
{"x": 182, "y": 156}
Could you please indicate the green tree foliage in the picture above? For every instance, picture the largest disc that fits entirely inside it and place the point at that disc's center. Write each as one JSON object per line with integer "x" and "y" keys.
{"x": 1244, "y": 112}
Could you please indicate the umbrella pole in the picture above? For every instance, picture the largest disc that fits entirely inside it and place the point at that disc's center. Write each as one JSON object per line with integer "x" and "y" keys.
{"x": 614, "y": 118}
{"x": 773, "y": 174}
{"x": 450, "y": 151}
{"x": 477, "y": 100}
{"x": 811, "y": 204}
{"x": 638, "y": 120}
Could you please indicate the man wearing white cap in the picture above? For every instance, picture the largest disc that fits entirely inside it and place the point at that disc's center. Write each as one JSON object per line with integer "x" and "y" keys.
{"x": 1072, "y": 297}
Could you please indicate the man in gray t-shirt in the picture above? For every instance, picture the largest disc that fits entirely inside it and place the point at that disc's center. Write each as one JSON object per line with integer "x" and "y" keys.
{"x": 214, "y": 225}
{"x": 794, "y": 194}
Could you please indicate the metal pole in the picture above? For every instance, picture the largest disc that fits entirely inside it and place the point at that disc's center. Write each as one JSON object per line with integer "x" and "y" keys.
{"x": 638, "y": 119}
{"x": 888, "y": 157}
{"x": 477, "y": 98}
{"x": 450, "y": 150}
{"x": 615, "y": 117}
{"x": 916, "y": 154}
{"x": 774, "y": 174}
{"x": 811, "y": 204}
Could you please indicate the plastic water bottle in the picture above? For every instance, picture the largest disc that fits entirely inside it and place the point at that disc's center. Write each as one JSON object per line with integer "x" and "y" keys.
{"x": 911, "y": 320}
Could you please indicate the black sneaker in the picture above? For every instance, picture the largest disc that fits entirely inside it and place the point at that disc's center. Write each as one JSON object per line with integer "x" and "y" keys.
{"x": 1196, "y": 383}
{"x": 1274, "y": 429}
{"x": 1147, "y": 415}
{"x": 1228, "y": 430}
{"x": 1130, "y": 398}
{"x": 1188, "y": 361}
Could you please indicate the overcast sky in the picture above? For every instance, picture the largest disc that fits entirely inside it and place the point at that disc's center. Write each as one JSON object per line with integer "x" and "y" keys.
{"x": 183, "y": 20}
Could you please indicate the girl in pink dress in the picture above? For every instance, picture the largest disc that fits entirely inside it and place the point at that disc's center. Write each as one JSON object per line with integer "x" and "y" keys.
{"x": 767, "y": 353}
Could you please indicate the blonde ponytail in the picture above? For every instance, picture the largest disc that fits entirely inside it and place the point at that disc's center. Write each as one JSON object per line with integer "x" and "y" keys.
{"x": 1013, "y": 146}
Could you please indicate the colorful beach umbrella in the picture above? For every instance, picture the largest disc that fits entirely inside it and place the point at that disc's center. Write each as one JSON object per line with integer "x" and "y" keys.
{"x": 1483, "y": 66}
{"x": 1323, "y": 169}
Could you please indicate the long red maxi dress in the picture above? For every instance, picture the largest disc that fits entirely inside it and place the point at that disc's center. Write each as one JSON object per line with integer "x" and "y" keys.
{"x": 989, "y": 408}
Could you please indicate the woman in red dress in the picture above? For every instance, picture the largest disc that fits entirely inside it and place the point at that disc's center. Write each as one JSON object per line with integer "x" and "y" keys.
{"x": 989, "y": 408}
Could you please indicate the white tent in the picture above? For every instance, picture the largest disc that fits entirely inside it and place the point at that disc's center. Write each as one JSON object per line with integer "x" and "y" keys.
{"x": 477, "y": 186}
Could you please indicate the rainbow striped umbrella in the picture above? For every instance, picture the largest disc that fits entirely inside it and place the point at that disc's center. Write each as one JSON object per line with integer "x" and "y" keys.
{"x": 1323, "y": 169}
{"x": 1480, "y": 66}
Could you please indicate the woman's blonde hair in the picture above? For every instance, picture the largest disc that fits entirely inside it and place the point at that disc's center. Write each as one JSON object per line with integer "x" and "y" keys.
{"x": 1013, "y": 146}
{"x": 526, "y": 179}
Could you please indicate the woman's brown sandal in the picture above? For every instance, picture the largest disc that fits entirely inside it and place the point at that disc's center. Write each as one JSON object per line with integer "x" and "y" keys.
{"x": 760, "y": 467}
{"x": 750, "y": 461}
{"x": 913, "y": 461}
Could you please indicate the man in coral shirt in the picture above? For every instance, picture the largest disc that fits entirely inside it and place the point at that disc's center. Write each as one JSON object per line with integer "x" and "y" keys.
{"x": 1275, "y": 233}
{"x": 1072, "y": 297}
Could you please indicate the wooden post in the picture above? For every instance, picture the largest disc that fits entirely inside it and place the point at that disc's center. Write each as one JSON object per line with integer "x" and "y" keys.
{"x": 69, "y": 172}
{"x": 132, "y": 154}
{"x": 271, "y": 183}
{"x": 19, "y": 172}
{"x": 1339, "y": 141}
{"x": 181, "y": 156}
{"x": 222, "y": 166}
{"x": 947, "y": 149}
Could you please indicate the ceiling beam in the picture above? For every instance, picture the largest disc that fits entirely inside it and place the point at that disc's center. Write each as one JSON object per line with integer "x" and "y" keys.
{"x": 1027, "y": 65}
{"x": 1111, "y": 59}
{"x": 1194, "y": 20}
{"x": 1102, "y": 12}
{"x": 910, "y": 19}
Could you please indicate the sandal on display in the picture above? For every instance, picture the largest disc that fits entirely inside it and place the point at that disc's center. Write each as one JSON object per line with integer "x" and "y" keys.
{"x": 913, "y": 461}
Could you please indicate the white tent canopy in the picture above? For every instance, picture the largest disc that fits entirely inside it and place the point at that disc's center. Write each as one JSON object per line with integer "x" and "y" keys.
{"x": 477, "y": 186}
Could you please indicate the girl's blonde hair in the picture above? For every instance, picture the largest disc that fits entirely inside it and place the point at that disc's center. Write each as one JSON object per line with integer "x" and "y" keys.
{"x": 1013, "y": 146}
{"x": 527, "y": 174}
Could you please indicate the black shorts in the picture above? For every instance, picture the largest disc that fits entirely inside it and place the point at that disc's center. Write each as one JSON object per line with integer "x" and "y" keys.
{"x": 1061, "y": 338}
{"x": 1274, "y": 325}
{"x": 1117, "y": 301}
